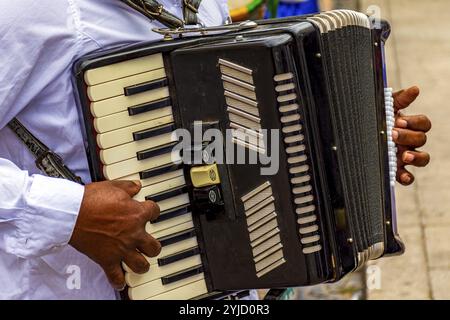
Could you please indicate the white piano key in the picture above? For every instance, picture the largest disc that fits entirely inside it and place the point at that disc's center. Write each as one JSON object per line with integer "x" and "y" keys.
{"x": 129, "y": 150}
{"x": 167, "y": 224}
{"x": 123, "y": 119}
{"x": 154, "y": 180}
{"x": 157, "y": 272}
{"x": 173, "y": 230}
{"x": 175, "y": 248}
{"x": 123, "y": 69}
{"x": 175, "y": 202}
{"x": 128, "y": 167}
{"x": 160, "y": 187}
{"x": 122, "y": 103}
{"x": 168, "y": 250}
{"x": 156, "y": 287}
{"x": 190, "y": 291}
{"x": 125, "y": 135}
{"x": 116, "y": 88}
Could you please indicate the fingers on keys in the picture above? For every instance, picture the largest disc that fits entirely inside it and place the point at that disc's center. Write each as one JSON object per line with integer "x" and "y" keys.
{"x": 115, "y": 276}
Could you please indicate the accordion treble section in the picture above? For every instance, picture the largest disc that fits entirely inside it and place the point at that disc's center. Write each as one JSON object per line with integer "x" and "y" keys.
{"x": 267, "y": 149}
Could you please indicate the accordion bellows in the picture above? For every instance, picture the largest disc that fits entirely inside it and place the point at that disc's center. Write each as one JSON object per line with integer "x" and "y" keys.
{"x": 319, "y": 83}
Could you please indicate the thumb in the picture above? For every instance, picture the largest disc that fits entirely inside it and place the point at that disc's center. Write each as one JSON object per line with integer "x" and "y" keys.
{"x": 130, "y": 187}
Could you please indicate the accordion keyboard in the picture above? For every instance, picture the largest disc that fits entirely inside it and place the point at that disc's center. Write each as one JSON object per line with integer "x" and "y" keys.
{"x": 133, "y": 119}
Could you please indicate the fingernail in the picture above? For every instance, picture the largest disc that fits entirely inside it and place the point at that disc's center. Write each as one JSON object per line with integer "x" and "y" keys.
{"x": 138, "y": 183}
{"x": 408, "y": 157}
{"x": 394, "y": 134}
{"x": 406, "y": 178}
{"x": 122, "y": 288}
{"x": 401, "y": 123}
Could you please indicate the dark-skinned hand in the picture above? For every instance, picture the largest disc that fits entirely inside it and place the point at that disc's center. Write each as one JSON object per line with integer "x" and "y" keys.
{"x": 110, "y": 229}
{"x": 409, "y": 134}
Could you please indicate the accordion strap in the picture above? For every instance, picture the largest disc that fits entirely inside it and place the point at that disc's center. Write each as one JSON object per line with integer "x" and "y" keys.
{"x": 46, "y": 160}
{"x": 154, "y": 10}
{"x": 190, "y": 11}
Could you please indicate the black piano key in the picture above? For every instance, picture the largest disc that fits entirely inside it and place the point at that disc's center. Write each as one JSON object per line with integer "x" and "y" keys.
{"x": 172, "y": 213}
{"x": 167, "y": 194}
{"x": 153, "y": 132}
{"x": 178, "y": 256}
{"x": 160, "y": 170}
{"x": 146, "y": 86}
{"x": 177, "y": 237}
{"x": 142, "y": 155}
{"x": 149, "y": 106}
{"x": 181, "y": 275}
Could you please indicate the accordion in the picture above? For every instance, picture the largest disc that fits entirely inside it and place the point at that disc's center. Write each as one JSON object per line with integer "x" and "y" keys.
{"x": 267, "y": 147}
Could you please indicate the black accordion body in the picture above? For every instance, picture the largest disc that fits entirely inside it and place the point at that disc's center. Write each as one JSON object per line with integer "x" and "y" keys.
{"x": 319, "y": 82}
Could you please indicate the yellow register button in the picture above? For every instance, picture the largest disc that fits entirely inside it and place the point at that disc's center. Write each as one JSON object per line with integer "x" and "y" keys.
{"x": 205, "y": 176}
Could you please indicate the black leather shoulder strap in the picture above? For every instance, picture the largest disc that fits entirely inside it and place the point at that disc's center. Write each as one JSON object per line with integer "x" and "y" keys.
{"x": 46, "y": 160}
{"x": 154, "y": 10}
{"x": 190, "y": 11}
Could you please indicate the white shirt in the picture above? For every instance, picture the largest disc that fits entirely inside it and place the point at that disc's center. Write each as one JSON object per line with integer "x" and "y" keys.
{"x": 39, "y": 42}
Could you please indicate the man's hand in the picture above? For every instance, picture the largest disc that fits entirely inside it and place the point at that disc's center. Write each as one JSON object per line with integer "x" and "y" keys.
{"x": 409, "y": 134}
{"x": 111, "y": 229}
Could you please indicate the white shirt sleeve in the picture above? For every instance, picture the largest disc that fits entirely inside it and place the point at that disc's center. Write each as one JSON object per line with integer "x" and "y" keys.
{"x": 37, "y": 213}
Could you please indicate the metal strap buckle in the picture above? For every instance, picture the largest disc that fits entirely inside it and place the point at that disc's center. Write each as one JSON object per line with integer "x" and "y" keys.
{"x": 189, "y": 5}
{"x": 150, "y": 12}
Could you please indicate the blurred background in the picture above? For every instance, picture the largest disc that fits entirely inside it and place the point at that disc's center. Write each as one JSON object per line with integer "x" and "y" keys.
{"x": 418, "y": 53}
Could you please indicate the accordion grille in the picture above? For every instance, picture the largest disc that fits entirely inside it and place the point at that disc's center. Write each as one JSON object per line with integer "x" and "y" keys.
{"x": 294, "y": 140}
{"x": 264, "y": 233}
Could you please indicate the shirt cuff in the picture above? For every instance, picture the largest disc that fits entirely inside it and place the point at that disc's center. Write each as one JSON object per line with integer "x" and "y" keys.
{"x": 49, "y": 219}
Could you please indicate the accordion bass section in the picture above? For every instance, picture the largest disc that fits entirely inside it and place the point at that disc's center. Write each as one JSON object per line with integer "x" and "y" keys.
{"x": 305, "y": 97}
